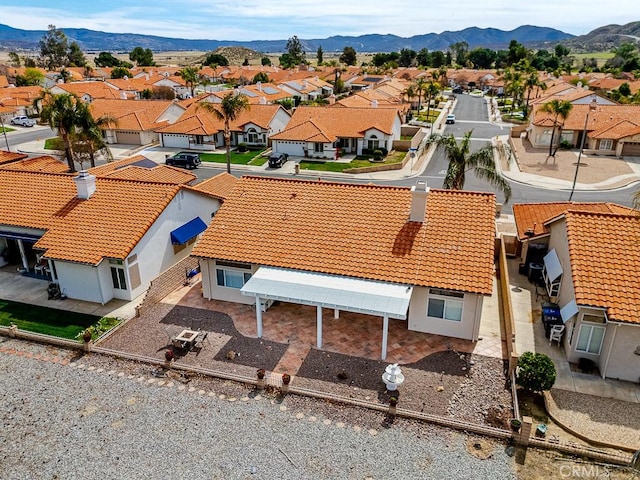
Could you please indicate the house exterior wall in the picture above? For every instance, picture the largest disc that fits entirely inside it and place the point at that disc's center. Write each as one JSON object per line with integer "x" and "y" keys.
{"x": 148, "y": 137}
{"x": 212, "y": 291}
{"x": 82, "y": 282}
{"x": 153, "y": 254}
{"x": 171, "y": 114}
{"x": 623, "y": 361}
{"x": 467, "y": 328}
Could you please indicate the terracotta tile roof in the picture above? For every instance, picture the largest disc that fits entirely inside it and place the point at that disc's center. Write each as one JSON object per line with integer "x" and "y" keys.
{"x": 8, "y": 157}
{"x": 198, "y": 119}
{"x": 341, "y": 122}
{"x": 159, "y": 174}
{"x": 109, "y": 224}
{"x": 601, "y": 117}
{"x": 219, "y": 186}
{"x": 605, "y": 262}
{"x": 266, "y": 92}
{"x": 617, "y": 130}
{"x": 533, "y": 216}
{"x": 357, "y": 230}
{"x": 136, "y": 115}
{"x": 93, "y": 88}
{"x": 3, "y": 81}
{"x": 202, "y": 123}
{"x": 105, "y": 169}
{"x": 44, "y": 163}
{"x": 307, "y": 131}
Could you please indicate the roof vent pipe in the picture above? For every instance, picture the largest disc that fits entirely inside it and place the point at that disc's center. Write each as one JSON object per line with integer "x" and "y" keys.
{"x": 419, "y": 194}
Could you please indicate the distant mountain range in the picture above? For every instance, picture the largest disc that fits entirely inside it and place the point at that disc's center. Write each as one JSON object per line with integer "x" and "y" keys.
{"x": 91, "y": 40}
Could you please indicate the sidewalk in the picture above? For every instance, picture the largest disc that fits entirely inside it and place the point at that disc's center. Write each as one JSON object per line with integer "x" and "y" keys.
{"x": 530, "y": 166}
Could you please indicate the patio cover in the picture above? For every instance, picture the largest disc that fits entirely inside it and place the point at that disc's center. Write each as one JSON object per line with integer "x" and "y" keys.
{"x": 552, "y": 263}
{"x": 186, "y": 232}
{"x": 330, "y": 291}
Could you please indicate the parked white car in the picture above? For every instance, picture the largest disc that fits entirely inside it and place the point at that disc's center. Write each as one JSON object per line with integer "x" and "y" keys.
{"x": 23, "y": 121}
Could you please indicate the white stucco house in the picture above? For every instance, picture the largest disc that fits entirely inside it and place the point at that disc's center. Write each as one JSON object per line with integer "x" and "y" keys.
{"x": 390, "y": 252}
{"x": 590, "y": 269}
{"x": 198, "y": 129}
{"x": 326, "y": 132}
{"x": 99, "y": 237}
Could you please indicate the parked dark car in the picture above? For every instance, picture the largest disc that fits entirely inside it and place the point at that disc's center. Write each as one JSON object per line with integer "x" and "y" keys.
{"x": 457, "y": 90}
{"x": 278, "y": 159}
{"x": 186, "y": 160}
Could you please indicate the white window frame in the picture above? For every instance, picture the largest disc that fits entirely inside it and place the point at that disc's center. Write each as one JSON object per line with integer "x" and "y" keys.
{"x": 452, "y": 302}
{"x": 118, "y": 274}
{"x": 606, "y": 144}
{"x": 227, "y": 274}
{"x": 590, "y": 326}
{"x": 373, "y": 143}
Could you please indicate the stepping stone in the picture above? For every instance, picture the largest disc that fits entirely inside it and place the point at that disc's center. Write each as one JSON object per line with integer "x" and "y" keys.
{"x": 169, "y": 384}
{"x": 299, "y": 416}
{"x": 181, "y": 388}
{"x": 222, "y": 396}
{"x": 91, "y": 368}
{"x": 212, "y": 394}
{"x": 201, "y": 392}
{"x": 192, "y": 389}
{"x": 151, "y": 380}
{"x": 326, "y": 421}
{"x": 160, "y": 383}
{"x": 357, "y": 429}
{"x": 232, "y": 399}
{"x": 340, "y": 425}
{"x": 99, "y": 370}
{"x": 312, "y": 419}
{"x": 283, "y": 408}
{"x": 121, "y": 374}
{"x": 245, "y": 399}
{"x": 373, "y": 432}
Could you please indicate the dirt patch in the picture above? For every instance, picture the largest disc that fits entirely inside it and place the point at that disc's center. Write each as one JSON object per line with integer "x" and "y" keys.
{"x": 480, "y": 447}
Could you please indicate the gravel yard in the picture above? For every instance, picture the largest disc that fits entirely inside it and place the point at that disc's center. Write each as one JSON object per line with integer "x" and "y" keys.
{"x": 465, "y": 386}
{"x": 104, "y": 418}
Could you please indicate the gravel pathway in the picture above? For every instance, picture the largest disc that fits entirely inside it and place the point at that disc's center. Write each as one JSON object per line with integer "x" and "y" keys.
{"x": 98, "y": 417}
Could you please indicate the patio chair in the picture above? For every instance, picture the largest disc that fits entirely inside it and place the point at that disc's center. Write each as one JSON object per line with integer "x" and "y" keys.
{"x": 202, "y": 337}
{"x": 556, "y": 334}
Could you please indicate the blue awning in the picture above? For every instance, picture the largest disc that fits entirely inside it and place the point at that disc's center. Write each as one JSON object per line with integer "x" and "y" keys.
{"x": 189, "y": 230}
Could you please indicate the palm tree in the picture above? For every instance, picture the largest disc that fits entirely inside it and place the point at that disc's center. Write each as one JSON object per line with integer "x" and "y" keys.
{"x": 531, "y": 81}
{"x": 62, "y": 113}
{"x": 233, "y": 104}
{"x": 190, "y": 76}
{"x": 89, "y": 134}
{"x": 420, "y": 86}
{"x": 433, "y": 88}
{"x": 461, "y": 160}
{"x": 559, "y": 109}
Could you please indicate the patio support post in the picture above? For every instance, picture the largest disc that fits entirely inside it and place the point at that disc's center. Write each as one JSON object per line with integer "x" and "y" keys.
{"x": 385, "y": 335}
{"x": 336, "y": 313}
{"x": 23, "y": 255}
{"x": 319, "y": 326}
{"x": 259, "y": 317}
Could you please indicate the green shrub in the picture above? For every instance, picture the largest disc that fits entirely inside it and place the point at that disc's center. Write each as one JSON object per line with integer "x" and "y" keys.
{"x": 566, "y": 145}
{"x": 536, "y": 372}
{"x": 377, "y": 155}
{"x": 242, "y": 147}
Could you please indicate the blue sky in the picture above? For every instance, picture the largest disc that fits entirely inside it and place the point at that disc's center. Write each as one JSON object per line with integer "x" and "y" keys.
{"x": 273, "y": 20}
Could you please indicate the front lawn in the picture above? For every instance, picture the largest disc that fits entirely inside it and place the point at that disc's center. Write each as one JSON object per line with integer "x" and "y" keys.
{"x": 50, "y": 321}
{"x": 6, "y": 129}
{"x": 236, "y": 157}
{"x": 358, "y": 162}
{"x": 54, "y": 143}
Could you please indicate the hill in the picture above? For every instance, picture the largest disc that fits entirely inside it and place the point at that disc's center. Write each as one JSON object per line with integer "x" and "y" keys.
{"x": 91, "y": 40}
{"x": 605, "y": 38}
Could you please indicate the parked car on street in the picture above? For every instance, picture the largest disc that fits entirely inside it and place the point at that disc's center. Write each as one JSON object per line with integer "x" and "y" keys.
{"x": 186, "y": 160}
{"x": 23, "y": 121}
{"x": 451, "y": 118}
{"x": 278, "y": 159}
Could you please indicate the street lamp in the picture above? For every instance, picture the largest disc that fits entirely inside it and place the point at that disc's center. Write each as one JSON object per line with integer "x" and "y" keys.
{"x": 592, "y": 107}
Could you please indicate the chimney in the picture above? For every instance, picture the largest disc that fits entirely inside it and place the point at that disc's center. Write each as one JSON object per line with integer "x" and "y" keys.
{"x": 259, "y": 86}
{"x": 86, "y": 184}
{"x": 263, "y": 101}
{"x": 374, "y": 103}
{"x": 419, "y": 194}
{"x": 332, "y": 99}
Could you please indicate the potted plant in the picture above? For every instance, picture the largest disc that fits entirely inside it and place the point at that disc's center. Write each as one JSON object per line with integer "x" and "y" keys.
{"x": 168, "y": 355}
{"x": 286, "y": 378}
{"x": 393, "y": 401}
{"x": 261, "y": 373}
{"x": 87, "y": 335}
{"x": 516, "y": 424}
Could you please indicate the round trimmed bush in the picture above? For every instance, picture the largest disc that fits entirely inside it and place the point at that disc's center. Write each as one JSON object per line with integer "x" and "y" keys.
{"x": 536, "y": 372}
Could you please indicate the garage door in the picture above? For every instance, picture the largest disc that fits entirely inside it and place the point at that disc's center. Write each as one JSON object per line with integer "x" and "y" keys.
{"x": 631, "y": 149}
{"x": 294, "y": 149}
{"x": 176, "y": 141}
{"x": 128, "y": 138}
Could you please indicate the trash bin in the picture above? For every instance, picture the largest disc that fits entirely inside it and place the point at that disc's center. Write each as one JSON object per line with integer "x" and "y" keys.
{"x": 296, "y": 168}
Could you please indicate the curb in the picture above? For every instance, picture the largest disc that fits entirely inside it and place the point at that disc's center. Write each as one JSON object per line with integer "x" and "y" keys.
{"x": 549, "y": 404}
